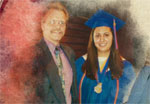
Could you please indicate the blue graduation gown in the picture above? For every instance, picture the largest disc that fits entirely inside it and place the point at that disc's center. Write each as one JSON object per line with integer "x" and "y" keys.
{"x": 113, "y": 91}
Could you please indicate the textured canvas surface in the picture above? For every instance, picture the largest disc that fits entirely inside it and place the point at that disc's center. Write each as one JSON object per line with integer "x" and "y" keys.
{"x": 20, "y": 29}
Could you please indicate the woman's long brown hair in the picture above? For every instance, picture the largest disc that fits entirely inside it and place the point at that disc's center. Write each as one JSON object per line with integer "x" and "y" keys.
{"x": 91, "y": 64}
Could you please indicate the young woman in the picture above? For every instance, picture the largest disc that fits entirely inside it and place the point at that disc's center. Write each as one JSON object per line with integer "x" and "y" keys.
{"x": 103, "y": 76}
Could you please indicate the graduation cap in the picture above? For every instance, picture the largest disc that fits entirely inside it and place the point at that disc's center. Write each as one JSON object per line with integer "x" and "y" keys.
{"x": 102, "y": 18}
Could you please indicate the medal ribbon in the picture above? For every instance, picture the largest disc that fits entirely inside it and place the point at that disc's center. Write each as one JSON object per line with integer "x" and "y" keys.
{"x": 100, "y": 77}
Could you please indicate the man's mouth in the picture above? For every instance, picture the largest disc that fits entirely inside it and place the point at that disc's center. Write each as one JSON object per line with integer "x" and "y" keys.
{"x": 56, "y": 32}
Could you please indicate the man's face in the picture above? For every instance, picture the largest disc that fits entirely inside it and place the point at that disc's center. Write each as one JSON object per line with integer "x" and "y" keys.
{"x": 54, "y": 25}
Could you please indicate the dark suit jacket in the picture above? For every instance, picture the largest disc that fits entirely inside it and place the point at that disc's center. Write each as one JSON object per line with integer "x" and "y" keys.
{"x": 49, "y": 88}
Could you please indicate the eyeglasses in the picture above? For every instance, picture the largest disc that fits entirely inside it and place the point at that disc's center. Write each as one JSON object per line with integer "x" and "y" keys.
{"x": 58, "y": 22}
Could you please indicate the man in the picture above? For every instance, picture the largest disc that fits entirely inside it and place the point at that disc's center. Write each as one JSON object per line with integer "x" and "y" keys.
{"x": 55, "y": 61}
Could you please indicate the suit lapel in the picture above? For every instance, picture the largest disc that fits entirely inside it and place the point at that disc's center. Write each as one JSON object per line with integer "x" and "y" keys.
{"x": 52, "y": 71}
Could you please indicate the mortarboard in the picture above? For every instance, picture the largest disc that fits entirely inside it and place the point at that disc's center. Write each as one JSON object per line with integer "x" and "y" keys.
{"x": 102, "y": 18}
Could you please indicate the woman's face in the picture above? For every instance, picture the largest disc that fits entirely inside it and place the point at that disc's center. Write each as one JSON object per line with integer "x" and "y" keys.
{"x": 103, "y": 38}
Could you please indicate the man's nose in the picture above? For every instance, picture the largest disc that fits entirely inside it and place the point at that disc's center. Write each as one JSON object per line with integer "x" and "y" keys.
{"x": 57, "y": 26}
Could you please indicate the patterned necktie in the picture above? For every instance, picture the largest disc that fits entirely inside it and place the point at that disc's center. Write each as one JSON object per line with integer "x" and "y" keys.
{"x": 60, "y": 67}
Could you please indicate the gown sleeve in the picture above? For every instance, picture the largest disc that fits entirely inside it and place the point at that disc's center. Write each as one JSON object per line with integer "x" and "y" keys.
{"x": 126, "y": 82}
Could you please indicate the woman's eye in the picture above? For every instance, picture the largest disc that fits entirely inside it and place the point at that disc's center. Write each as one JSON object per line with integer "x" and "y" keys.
{"x": 97, "y": 35}
{"x": 106, "y": 34}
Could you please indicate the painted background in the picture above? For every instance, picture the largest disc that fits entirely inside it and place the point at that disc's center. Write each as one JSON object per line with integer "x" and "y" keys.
{"x": 20, "y": 30}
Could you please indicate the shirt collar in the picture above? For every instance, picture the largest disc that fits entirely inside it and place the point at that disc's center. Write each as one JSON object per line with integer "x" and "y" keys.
{"x": 51, "y": 45}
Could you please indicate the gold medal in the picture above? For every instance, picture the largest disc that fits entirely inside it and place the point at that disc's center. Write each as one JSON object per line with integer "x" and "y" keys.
{"x": 98, "y": 88}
